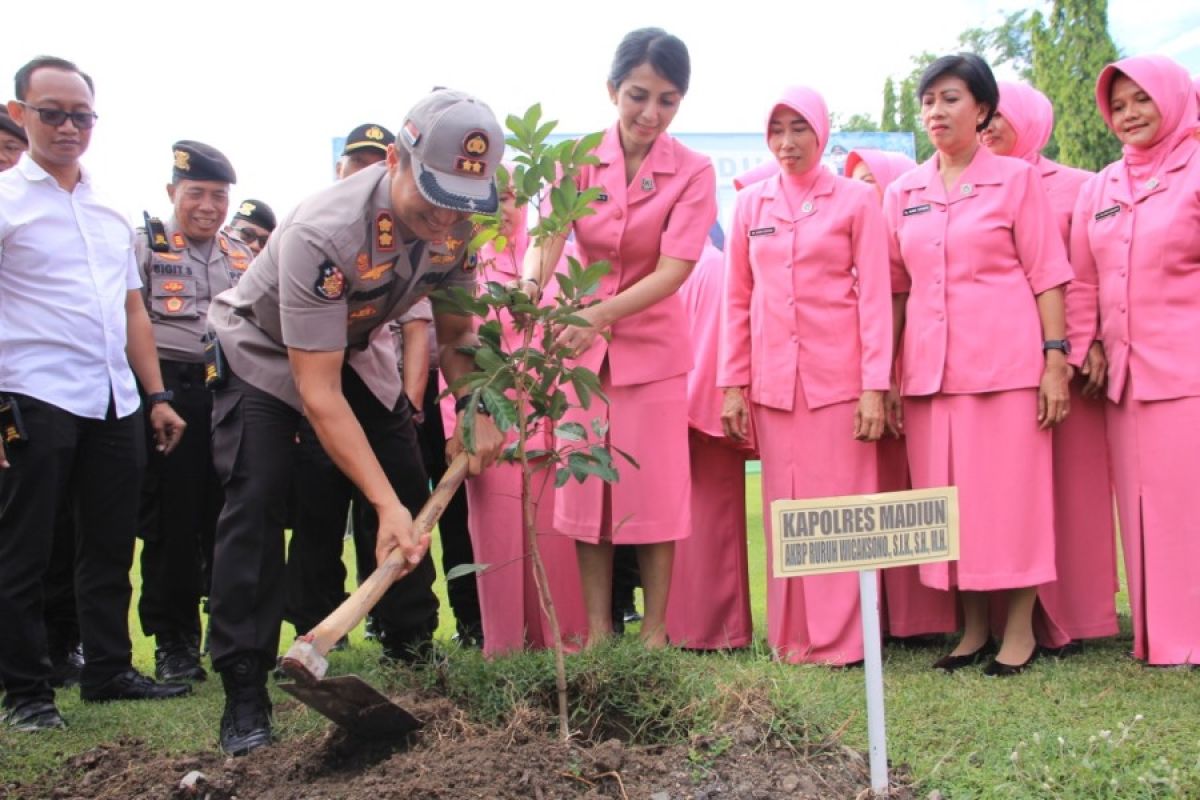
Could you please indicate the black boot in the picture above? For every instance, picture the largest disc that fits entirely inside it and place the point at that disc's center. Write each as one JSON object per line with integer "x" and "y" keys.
{"x": 246, "y": 723}
{"x": 177, "y": 658}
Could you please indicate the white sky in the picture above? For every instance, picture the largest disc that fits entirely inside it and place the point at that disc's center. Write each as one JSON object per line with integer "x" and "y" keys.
{"x": 269, "y": 83}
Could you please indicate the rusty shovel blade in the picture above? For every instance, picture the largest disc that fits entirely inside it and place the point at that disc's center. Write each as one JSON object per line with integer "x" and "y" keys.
{"x": 354, "y": 705}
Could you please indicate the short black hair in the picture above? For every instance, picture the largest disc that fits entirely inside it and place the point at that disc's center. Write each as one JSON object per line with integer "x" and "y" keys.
{"x": 667, "y": 54}
{"x": 974, "y": 72}
{"x": 25, "y": 74}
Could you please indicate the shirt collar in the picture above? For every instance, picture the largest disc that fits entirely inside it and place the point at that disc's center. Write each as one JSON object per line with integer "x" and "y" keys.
{"x": 33, "y": 171}
{"x": 661, "y": 157}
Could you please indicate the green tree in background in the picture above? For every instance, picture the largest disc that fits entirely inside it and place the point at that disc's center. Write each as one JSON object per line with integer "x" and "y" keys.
{"x": 910, "y": 105}
{"x": 888, "y": 119}
{"x": 1010, "y": 42}
{"x": 1070, "y": 47}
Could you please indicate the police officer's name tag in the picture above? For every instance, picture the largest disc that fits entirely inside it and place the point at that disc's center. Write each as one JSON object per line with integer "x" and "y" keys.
{"x": 763, "y": 231}
{"x": 908, "y": 212}
{"x": 1108, "y": 212}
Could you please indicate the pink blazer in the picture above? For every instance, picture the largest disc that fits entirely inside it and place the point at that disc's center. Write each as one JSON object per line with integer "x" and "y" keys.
{"x": 1137, "y": 257}
{"x": 667, "y": 210}
{"x": 1062, "y": 187}
{"x": 806, "y": 293}
{"x": 972, "y": 264}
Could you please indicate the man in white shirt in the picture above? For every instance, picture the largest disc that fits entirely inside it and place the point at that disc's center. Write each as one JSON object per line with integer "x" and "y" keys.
{"x": 72, "y": 323}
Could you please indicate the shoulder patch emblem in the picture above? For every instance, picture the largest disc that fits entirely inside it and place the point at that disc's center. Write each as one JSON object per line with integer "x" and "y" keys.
{"x": 331, "y": 283}
{"x": 385, "y": 232}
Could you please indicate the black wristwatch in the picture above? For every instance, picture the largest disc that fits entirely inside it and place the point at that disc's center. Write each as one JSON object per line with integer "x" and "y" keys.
{"x": 1057, "y": 344}
{"x": 154, "y": 398}
{"x": 461, "y": 405}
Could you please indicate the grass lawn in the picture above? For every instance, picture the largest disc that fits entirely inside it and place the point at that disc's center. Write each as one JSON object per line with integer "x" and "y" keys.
{"x": 1097, "y": 725}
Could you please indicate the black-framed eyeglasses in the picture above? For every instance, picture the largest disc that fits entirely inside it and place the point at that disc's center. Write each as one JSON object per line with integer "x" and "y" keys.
{"x": 56, "y": 116}
{"x": 250, "y": 237}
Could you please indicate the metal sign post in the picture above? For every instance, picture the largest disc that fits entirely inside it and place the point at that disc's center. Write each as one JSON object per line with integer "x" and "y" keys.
{"x": 864, "y": 534}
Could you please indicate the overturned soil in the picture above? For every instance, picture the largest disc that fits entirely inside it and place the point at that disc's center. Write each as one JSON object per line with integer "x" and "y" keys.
{"x": 452, "y": 757}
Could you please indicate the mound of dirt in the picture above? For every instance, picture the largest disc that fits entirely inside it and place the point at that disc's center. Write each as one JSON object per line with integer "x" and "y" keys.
{"x": 452, "y": 757}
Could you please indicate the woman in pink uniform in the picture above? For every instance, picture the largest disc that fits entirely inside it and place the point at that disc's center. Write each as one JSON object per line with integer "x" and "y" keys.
{"x": 709, "y": 607}
{"x": 657, "y": 203}
{"x": 911, "y": 611}
{"x": 806, "y": 348}
{"x": 509, "y": 603}
{"x": 1083, "y": 599}
{"x": 1135, "y": 246}
{"x": 978, "y": 268}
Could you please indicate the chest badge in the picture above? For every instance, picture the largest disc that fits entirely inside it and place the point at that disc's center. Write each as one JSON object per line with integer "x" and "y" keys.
{"x": 911, "y": 210}
{"x": 178, "y": 241}
{"x": 331, "y": 283}
{"x": 807, "y": 207}
{"x": 763, "y": 231}
{"x": 1152, "y": 183}
{"x": 1108, "y": 212}
{"x": 967, "y": 188}
{"x": 174, "y": 305}
{"x": 647, "y": 184}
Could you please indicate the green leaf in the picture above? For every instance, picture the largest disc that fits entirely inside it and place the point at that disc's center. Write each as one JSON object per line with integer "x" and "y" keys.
{"x": 518, "y": 127}
{"x": 484, "y": 236}
{"x": 463, "y": 570}
{"x": 561, "y": 476}
{"x": 503, "y": 412}
{"x": 545, "y": 130}
{"x": 627, "y": 457}
{"x": 571, "y": 431}
{"x": 587, "y": 144}
{"x": 489, "y": 360}
{"x": 582, "y": 392}
{"x": 599, "y": 427}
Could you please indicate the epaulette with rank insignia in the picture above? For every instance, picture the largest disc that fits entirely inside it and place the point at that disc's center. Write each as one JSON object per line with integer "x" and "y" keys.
{"x": 156, "y": 233}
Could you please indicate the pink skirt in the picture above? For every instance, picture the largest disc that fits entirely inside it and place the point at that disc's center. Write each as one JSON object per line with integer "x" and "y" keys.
{"x": 989, "y": 446}
{"x": 1083, "y": 599}
{"x": 909, "y": 607}
{"x": 509, "y": 602}
{"x": 812, "y": 453}
{"x": 709, "y": 604}
{"x": 1156, "y": 460}
{"x": 648, "y": 504}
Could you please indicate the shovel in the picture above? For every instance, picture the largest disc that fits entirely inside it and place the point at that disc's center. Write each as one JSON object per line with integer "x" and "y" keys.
{"x": 348, "y": 700}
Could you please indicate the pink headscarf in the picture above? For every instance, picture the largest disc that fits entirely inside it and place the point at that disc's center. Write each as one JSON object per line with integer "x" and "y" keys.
{"x": 809, "y": 104}
{"x": 1031, "y": 116}
{"x": 885, "y": 166}
{"x": 1171, "y": 89}
{"x": 759, "y": 173}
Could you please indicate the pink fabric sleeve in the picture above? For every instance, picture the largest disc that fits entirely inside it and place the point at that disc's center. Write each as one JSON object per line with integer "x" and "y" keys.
{"x": 691, "y": 217}
{"x": 901, "y": 282}
{"x": 1083, "y": 292}
{"x": 733, "y": 349}
{"x": 869, "y": 240}
{"x": 1037, "y": 238}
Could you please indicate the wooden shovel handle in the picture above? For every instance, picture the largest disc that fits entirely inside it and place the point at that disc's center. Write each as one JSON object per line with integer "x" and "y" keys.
{"x": 355, "y": 608}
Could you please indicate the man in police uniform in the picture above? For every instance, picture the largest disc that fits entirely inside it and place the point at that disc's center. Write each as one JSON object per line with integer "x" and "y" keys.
{"x": 347, "y": 261}
{"x": 184, "y": 264}
{"x": 252, "y": 224}
{"x": 366, "y": 145}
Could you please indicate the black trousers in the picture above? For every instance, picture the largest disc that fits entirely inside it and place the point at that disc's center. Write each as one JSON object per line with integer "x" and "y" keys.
{"x": 452, "y": 528}
{"x": 60, "y": 613}
{"x": 181, "y": 499}
{"x": 254, "y": 450}
{"x": 98, "y": 465}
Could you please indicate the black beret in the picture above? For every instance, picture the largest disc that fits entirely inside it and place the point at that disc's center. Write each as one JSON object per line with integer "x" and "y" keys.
{"x": 256, "y": 212}
{"x": 195, "y": 161}
{"x": 368, "y": 135}
{"x": 10, "y": 126}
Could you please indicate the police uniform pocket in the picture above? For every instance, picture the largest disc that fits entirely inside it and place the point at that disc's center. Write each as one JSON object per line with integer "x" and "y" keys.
{"x": 173, "y": 297}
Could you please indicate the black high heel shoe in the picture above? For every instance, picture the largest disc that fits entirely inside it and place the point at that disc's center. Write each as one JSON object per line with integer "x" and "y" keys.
{"x": 998, "y": 669}
{"x": 952, "y": 663}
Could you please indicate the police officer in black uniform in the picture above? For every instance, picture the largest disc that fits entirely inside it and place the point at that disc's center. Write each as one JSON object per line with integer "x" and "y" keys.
{"x": 184, "y": 263}
{"x": 347, "y": 261}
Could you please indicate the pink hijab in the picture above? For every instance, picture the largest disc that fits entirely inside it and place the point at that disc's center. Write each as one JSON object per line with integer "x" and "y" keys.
{"x": 885, "y": 166}
{"x": 1171, "y": 89}
{"x": 1031, "y": 116}
{"x": 809, "y": 104}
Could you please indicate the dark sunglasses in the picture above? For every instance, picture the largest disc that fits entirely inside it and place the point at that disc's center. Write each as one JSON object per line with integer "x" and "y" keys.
{"x": 56, "y": 116}
{"x": 250, "y": 237}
